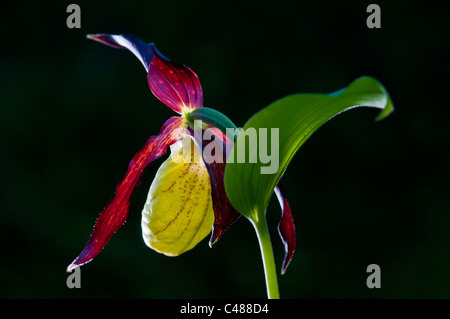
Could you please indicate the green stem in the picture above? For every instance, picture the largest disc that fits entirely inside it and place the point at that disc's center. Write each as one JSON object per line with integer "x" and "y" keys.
{"x": 265, "y": 245}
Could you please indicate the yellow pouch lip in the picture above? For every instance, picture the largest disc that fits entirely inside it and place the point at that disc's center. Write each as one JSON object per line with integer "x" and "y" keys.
{"x": 178, "y": 212}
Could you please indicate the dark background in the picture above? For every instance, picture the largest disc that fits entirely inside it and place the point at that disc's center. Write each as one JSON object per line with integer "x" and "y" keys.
{"x": 74, "y": 112}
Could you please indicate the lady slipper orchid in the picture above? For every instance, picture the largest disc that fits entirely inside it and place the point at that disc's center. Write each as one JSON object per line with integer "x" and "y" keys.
{"x": 187, "y": 199}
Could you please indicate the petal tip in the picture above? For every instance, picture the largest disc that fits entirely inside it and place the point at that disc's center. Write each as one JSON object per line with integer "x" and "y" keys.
{"x": 213, "y": 240}
{"x": 92, "y": 37}
{"x": 285, "y": 265}
{"x": 72, "y": 267}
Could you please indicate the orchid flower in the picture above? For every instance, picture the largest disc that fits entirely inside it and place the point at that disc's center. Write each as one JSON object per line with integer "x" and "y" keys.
{"x": 187, "y": 199}
{"x": 196, "y": 192}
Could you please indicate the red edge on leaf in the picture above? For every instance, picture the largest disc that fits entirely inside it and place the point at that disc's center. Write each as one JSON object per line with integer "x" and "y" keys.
{"x": 115, "y": 213}
{"x": 286, "y": 227}
{"x": 224, "y": 212}
{"x": 174, "y": 84}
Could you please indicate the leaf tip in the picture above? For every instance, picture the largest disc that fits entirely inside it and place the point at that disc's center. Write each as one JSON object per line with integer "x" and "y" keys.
{"x": 389, "y": 108}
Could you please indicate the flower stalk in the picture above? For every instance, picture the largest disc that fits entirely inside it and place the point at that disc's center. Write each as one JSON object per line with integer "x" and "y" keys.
{"x": 268, "y": 260}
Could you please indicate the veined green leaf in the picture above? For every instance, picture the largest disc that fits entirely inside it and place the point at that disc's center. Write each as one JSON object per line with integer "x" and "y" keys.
{"x": 296, "y": 117}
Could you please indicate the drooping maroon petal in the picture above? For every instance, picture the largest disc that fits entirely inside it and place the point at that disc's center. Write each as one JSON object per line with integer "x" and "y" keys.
{"x": 286, "y": 227}
{"x": 174, "y": 84}
{"x": 214, "y": 145}
{"x": 115, "y": 213}
{"x": 224, "y": 213}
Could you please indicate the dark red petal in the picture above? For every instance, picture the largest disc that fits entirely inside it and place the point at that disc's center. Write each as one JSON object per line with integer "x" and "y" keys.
{"x": 115, "y": 213}
{"x": 224, "y": 212}
{"x": 286, "y": 227}
{"x": 174, "y": 84}
{"x": 142, "y": 50}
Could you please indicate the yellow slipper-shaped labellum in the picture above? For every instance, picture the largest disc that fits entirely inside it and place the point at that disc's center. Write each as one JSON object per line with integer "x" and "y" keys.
{"x": 178, "y": 212}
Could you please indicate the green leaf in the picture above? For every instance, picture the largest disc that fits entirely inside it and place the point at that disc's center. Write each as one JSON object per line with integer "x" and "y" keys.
{"x": 297, "y": 117}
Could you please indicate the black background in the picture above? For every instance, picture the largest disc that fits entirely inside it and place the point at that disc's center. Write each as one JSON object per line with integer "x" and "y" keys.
{"x": 74, "y": 112}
